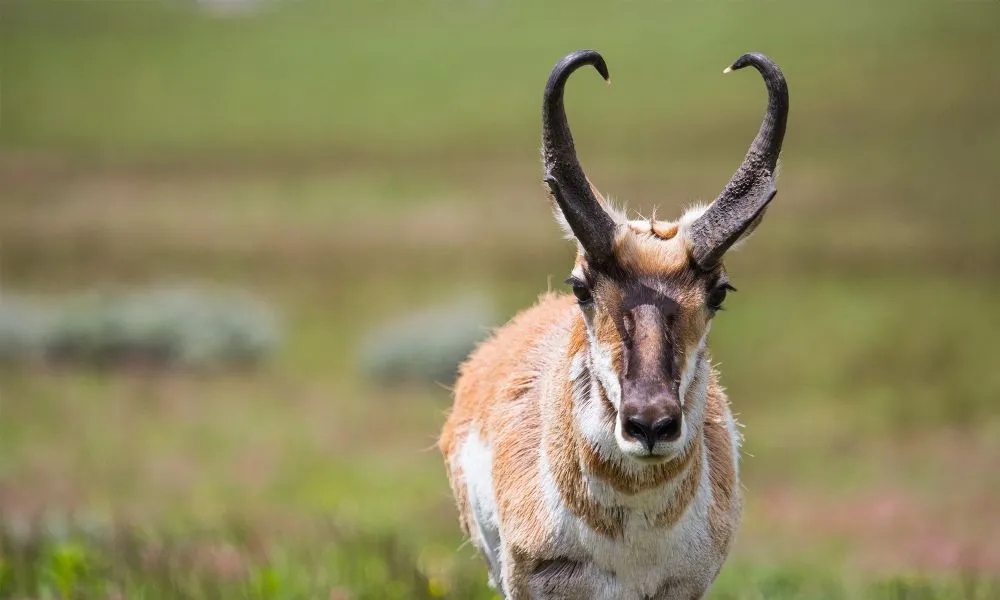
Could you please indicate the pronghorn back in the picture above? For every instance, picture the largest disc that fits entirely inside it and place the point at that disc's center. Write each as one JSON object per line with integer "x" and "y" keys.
{"x": 591, "y": 450}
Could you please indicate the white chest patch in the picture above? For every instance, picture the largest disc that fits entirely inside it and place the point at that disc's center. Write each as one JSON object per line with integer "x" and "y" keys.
{"x": 648, "y": 562}
{"x": 476, "y": 462}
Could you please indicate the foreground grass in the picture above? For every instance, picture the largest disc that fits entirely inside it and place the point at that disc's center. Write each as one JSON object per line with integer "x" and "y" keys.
{"x": 54, "y": 560}
{"x": 94, "y": 562}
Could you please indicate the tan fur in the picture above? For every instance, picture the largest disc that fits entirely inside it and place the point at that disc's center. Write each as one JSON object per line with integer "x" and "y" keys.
{"x": 650, "y": 254}
{"x": 726, "y": 497}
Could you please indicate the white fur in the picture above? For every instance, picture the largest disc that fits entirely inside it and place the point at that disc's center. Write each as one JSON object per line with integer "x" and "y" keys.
{"x": 475, "y": 460}
{"x": 692, "y": 356}
{"x": 617, "y": 214}
{"x": 736, "y": 439}
{"x": 692, "y": 214}
{"x": 590, "y": 415}
{"x": 693, "y": 388}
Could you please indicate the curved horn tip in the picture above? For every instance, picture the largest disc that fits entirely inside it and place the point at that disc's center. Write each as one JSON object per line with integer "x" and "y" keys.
{"x": 591, "y": 57}
{"x": 759, "y": 61}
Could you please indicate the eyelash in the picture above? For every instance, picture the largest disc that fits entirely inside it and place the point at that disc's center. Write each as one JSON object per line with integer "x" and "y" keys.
{"x": 580, "y": 290}
{"x": 724, "y": 287}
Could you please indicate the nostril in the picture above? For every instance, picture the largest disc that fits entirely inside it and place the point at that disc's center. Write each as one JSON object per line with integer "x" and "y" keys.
{"x": 638, "y": 430}
{"x": 667, "y": 428}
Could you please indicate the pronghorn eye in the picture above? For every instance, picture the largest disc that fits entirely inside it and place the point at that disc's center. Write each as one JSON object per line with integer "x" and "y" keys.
{"x": 718, "y": 295}
{"x": 580, "y": 290}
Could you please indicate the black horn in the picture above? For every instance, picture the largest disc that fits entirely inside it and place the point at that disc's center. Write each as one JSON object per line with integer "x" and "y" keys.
{"x": 569, "y": 186}
{"x": 742, "y": 202}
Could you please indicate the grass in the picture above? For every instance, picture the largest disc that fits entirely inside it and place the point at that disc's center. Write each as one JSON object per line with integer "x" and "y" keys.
{"x": 351, "y": 163}
{"x": 128, "y": 563}
{"x": 55, "y": 561}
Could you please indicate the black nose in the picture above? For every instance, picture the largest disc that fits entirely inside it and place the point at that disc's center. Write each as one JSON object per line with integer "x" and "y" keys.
{"x": 664, "y": 429}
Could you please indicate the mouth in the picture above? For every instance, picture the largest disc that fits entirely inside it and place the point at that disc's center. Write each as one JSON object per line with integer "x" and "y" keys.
{"x": 652, "y": 459}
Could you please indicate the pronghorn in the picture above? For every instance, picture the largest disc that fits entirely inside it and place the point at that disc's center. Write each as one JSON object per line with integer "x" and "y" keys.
{"x": 591, "y": 449}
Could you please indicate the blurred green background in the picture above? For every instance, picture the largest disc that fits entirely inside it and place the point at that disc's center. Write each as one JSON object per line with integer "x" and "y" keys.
{"x": 370, "y": 172}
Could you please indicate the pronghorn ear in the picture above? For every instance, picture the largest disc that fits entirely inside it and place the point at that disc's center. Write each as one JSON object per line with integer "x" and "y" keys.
{"x": 561, "y": 221}
{"x": 617, "y": 215}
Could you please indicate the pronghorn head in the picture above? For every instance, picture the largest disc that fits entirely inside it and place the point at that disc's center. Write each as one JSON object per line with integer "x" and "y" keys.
{"x": 648, "y": 289}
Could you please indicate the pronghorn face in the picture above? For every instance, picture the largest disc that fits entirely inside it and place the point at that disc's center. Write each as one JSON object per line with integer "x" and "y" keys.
{"x": 648, "y": 312}
{"x": 649, "y": 289}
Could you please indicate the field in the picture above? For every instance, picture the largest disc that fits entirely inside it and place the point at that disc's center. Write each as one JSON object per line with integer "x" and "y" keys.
{"x": 349, "y": 163}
